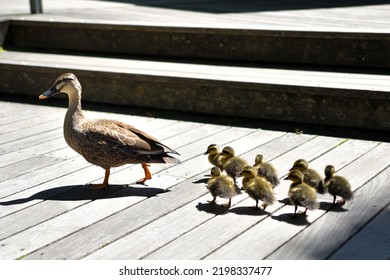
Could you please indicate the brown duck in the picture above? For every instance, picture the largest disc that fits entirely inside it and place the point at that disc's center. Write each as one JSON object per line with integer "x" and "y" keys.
{"x": 311, "y": 177}
{"x": 106, "y": 143}
{"x": 337, "y": 185}
{"x": 301, "y": 193}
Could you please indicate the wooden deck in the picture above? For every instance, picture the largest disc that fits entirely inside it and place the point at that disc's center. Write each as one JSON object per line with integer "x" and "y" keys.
{"x": 46, "y": 213}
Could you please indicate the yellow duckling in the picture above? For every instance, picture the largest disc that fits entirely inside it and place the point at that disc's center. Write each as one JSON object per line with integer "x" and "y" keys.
{"x": 214, "y": 156}
{"x": 220, "y": 185}
{"x": 311, "y": 177}
{"x": 300, "y": 193}
{"x": 232, "y": 164}
{"x": 106, "y": 143}
{"x": 257, "y": 187}
{"x": 337, "y": 186}
{"x": 266, "y": 170}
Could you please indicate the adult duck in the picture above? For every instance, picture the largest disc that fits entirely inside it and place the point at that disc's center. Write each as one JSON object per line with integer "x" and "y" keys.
{"x": 103, "y": 142}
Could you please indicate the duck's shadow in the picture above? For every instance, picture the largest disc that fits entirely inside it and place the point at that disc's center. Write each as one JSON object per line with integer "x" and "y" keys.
{"x": 81, "y": 192}
{"x": 215, "y": 209}
{"x": 248, "y": 210}
{"x": 298, "y": 220}
{"x": 328, "y": 206}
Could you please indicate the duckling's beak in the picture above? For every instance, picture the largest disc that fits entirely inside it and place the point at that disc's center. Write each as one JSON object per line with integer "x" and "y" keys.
{"x": 287, "y": 178}
{"x": 49, "y": 93}
{"x": 206, "y": 153}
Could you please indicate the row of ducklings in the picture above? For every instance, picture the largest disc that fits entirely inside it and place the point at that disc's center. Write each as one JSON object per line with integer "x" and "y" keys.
{"x": 260, "y": 179}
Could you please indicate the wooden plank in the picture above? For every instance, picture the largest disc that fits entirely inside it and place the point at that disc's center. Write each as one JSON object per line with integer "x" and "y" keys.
{"x": 371, "y": 243}
{"x": 335, "y": 228}
{"x": 240, "y": 215}
{"x": 259, "y": 75}
{"x": 182, "y": 141}
{"x": 151, "y": 237}
{"x": 181, "y": 189}
{"x": 79, "y": 163}
{"x": 261, "y": 240}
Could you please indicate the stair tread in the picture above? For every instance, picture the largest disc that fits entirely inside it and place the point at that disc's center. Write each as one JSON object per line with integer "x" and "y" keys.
{"x": 308, "y": 77}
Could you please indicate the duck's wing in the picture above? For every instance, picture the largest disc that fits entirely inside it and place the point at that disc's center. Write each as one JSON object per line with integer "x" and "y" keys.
{"x": 125, "y": 137}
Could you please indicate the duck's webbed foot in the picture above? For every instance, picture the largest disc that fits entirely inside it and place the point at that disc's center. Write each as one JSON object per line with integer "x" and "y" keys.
{"x": 212, "y": 201}
{"x": 102, "y": 185}
{"x": 148, "y": 174}
{"x": 227, "y": 205}
{"x": 341, "y": 202}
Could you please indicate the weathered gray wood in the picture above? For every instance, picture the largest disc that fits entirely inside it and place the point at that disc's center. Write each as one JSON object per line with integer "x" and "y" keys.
{"x": 183, "y": 186}
{"x": 371, "y": 243}
{"x": 253, "y": 44}
{"x": 283, "y": 94}
{"x": 221, "y": 226}
{"x": 324, "y": 236}
{"x": 233, "y": 133}
{"x": 151, "y": 237}
{"x": 261, "y": 240}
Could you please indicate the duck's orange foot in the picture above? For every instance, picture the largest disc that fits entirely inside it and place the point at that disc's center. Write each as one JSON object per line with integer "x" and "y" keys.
{"x": 341, "y": 202}
{"x": 264, "y": 205}
{"x": 102, "y": 185}
{"x": 148, "y": 174}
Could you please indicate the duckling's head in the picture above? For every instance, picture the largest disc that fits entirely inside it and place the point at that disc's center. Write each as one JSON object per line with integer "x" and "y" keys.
{"x": 215, "y": 172}
{"x": 66, "y": 83}
{"x": 295, "y": 175}
{"x": 300, "y": 165}
{"x": 258, "y": 159}
{"x": 212, "y": 150}
{"x": 228, "y": 152}
{"x": 249, "y": 172}
{"x": 329, "y": 171}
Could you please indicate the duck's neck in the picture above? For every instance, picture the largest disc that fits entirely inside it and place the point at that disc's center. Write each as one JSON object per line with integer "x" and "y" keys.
{"x": 74, "y": 114}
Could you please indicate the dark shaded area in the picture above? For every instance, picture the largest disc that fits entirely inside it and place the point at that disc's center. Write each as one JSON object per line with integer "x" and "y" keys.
{"x": 80, "y": 192}
{"x": 289, "y": 218}
{"x": 248, "y": 210}
{"x": 334, "y": 131}
{"x": 215, "y": 209}
{"x": 234, "y": 6}
{"x": 328, "y": 206}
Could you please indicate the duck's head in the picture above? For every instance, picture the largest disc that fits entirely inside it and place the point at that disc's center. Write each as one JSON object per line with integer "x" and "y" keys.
{"x": 228, "y": 152}
{"x": 215, "y": 172}
{"x": 212, "y": 150}
{"x": 258, "y": 159}
{"x": 66, "y": 83}
{"x": 300, "y": 165}
{"x": 295, "y": 175}
{"x": 249, "y": 172}
{"x": 329, "y": 171}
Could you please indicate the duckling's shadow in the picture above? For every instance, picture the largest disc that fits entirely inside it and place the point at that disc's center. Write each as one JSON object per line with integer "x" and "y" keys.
{"x": 298, "y": 220}
{"x": 328, "y": 206}
{"x": 249, "y": 211}
{"x": 80, "y": 192}
{"x": 201, "y": 181}
{"x": 285, "y": 201}
{"x": 215, "y": 209}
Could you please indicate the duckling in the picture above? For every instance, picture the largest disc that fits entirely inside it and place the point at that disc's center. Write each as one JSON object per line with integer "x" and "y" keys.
{"x": 337, "y": 186}
{"x": 232, "y": 164}
{"x": 257, "y": 187}
{"x": 222, "y": 186}
{"x": 106, "y": 143}
{"x": 214, "y": 156}
{"x": 300, "y": 193}
{"x": 311, "y": 176}
{"x": 266, "y": 170}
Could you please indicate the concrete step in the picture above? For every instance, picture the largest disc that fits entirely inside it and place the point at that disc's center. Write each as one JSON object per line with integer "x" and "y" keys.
{"x": 286, "y": 94}
{"x": 357, "y": 49}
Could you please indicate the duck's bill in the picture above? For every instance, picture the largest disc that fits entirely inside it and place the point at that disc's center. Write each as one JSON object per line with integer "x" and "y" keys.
{"x": 50, "y": 92}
